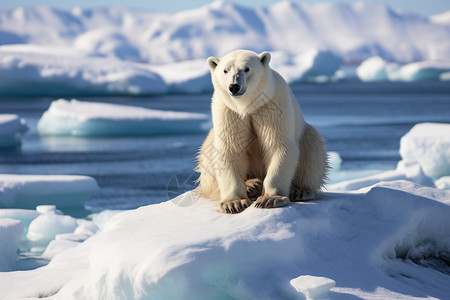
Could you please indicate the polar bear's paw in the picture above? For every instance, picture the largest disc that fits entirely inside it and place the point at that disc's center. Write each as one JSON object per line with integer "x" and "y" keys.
{"x": 233, "y": 206}
{"x": 254, "y": 188}
{"x": 301, "y": 195}
{"x": 267, "y": 201}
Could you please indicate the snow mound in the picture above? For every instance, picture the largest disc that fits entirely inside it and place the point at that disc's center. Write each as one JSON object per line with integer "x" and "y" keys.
{"x": 429, "y": 144}
{"x": 102, "y": 119}
{"x": 10, "y": 232}
{"x": 167, "y": 251}
{"x": 313, "y": 65}
{"x": 11, "y": 129}
{"x": 62, "y": 71}
{"x": 28, "y": 191}
{"x": 377, "y": 69}
{"x": 406, "y": 170}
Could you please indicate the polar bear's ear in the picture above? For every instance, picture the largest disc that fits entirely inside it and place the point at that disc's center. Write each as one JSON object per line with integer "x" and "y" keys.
{"x": 264, "y": 57}
{"x": 212, "y": 62}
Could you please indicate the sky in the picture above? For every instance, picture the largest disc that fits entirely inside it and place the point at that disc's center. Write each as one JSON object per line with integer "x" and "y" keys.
{"x": 423, "y": 7}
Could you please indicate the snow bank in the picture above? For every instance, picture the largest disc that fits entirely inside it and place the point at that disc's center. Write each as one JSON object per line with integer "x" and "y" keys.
{"x": 11, "y": 129}
{"x": 10, "y": 232}
{"x": 377, "y": 69}
{"x": 313, "y": 65}
{"x": 359, "y": 244}
{"x": 429, "y": 144}
{"x": 36, "y": 70}
{"x": 406, "y": 170}
{"x": 101, "y": 119}
{"x": 28, "y": 191}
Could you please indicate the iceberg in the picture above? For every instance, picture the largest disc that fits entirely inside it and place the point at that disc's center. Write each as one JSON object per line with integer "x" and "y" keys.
{"x": 11, "y": 129}
{"x": 379, "y": 244}
{"x": 10, "y": 232}
{"x": 63, "y": 71}
{"x": 377, "y": 69}
{"x": 67, "y": 192}
{"x": 313, "y": 65}
{"x": 429, "y": 144}
{"x": 79, "y": 118}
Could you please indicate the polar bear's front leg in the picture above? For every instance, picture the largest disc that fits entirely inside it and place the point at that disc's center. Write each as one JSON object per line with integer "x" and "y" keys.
{"x": 280, "y": 172}
{"x": 230, "y": 173}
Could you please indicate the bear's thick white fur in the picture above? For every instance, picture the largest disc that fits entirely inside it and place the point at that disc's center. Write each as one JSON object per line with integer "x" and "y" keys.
{"x": 260, "y": 147}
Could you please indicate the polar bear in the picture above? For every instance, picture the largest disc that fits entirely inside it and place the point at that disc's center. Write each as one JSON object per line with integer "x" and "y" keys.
{"x": 260, "y": 148}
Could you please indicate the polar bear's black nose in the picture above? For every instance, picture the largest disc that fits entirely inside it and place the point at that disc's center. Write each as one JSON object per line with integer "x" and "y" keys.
{"x": 234, "y": 88}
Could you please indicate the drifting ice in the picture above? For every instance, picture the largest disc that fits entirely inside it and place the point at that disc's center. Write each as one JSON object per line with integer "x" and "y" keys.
{"x": 100, "y": 119}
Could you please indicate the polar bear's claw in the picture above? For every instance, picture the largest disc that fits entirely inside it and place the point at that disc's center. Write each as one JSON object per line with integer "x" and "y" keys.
{"x": 301, "y": 195}
{"x": 254, "y": 188}
{"x": 266, "y": 201}
{"x": 233, "y": 206}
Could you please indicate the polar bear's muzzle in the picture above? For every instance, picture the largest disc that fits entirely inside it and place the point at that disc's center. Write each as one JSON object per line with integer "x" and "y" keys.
{"x": 237, "y": 87}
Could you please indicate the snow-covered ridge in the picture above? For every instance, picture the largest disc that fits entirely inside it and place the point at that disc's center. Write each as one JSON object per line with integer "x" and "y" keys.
{"x": 352, "y": 31}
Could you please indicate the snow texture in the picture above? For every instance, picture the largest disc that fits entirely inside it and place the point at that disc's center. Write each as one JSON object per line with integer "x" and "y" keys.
{"x": 79, "y": 118}
{"x": 11, "y": 129}
{"x": 390, "y": 242}
{"x": 10, "y": 232}
{"x": 429, "y": 144}
{"x": 29, "y": 191}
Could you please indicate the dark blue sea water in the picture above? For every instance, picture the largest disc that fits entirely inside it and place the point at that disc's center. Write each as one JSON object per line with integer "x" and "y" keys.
{"x": 362, "y": 122}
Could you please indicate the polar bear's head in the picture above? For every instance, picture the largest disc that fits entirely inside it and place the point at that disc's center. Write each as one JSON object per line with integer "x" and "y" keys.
{"x": 240, "y": 72}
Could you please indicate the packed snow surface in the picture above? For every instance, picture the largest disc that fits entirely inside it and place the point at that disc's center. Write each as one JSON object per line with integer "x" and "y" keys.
{"x": 11, "y": 129}
{"x": 391, "y": 242}
{"x": 29, "y": 191}
{"x": 429, "y": 144}
{"x": 354, "y": 32}
{"x": 81, "y": 118}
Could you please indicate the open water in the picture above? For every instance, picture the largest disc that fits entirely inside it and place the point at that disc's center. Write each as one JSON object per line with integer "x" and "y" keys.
{"x": 362, "y": 122}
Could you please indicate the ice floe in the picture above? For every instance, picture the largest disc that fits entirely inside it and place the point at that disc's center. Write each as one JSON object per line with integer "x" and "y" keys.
{"x": 378, "y": 69}
{"x": 79, "y": 118}
{"x": 11, "y": 129}
{"x": 10, "y": 232}
{"x": 28, "y": 191}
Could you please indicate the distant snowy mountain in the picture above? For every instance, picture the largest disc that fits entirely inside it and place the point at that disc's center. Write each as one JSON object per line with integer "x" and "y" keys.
{"x": 352, "y": 31}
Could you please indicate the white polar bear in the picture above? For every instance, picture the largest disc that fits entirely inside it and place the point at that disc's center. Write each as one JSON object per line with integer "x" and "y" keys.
{"x": 260, "y": 148}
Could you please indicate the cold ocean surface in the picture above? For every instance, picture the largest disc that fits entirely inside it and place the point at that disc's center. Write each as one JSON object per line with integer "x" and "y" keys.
{"x": 363, "y": 122}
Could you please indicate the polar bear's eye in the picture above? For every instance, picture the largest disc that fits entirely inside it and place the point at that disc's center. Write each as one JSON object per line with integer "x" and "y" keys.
{"x": 246, "y": 70}
{"x": 225, "y": 71}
